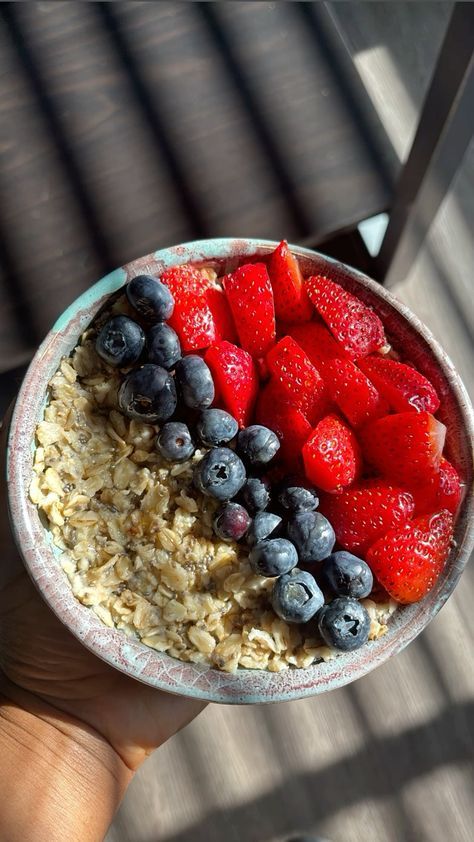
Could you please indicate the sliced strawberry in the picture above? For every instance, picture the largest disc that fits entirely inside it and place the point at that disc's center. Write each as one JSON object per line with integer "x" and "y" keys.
{"x": 354, "y": 325}
{"x": 288, "y": 422}
{"x": 216, "y": 299}
{"x": 192, "y": 318}
{"x": 362, "y": 514}
{"x": 185, "y": 279}
{"x": 353, "y": 393}
{"x": 406, "y": 447}
{"x": 249, "y": 293}
{"x": 316, "y": 341}
{"x": 331, "y": 455}
{"x": 236, "y": 380}
{"x": 301, "y": 383}
{"x": 403, "y": 386}
{"x": 442, "y": 491}
{"x": 408, "y": 560}
{"x": 291, "y": 300}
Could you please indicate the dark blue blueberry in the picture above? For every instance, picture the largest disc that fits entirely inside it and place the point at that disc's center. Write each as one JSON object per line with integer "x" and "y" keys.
{"x": 163, "y": 346}
{"x": 273, "y": 557}
{"x": 264, "y": 525}
{"x": 174, "y": 442}
{"x": 296, "y": 597}
{"x": 216, "y": 427}
{"x": 120, "y": 342}
{"x": 231, "y": 522}
{"x": 312, "y": 535}
{"x": 148, "y": 394}
{"x": 220, "y": 474}
{"x": 195, "y": 381}
{"x": 347, "y": 575}
{"x": 257, "y": 445}
{"x": 149, "y": 297}
{"x": 344, "y": 624}
{"x": 256, "y": 494}
{"x": 298, "y": 499}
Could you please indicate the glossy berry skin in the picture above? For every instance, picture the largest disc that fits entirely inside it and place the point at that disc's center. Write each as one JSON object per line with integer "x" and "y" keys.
{"x": 174, "y": 442}
{"x": 120, "y": 342}
{"x": 344, "y": 624}
{"x": 256, "y": 494}
{"x": 346, "y": 575}
{"x": 331, "y": 455}
{"x": 231, "y": 522}
{"x": 353, "y": 393}
{"x": 264, "y": 525}
{"x": 149, "y": 297}
{"x": 441, "y": 491}
{"x": 296, "y": 597}
{"x": 406, "y": 447}
{"x": 220, "y": 474}
{"x": 257, "y": 445}
{"x": 298, "y": 499}
{"x": 195, "y": 382}
{"x": 163, "y": 346}
{"x": 273, "y": 557}
{"x": 236, "y": 379}
{"x": 298, "y": 380}
{"x": 291, "y": 300}
{"x": 312, "y": 535}
{"x": 288, "y": 422}
{"x": 216, "y": 427}
{"x": 405, "y": 388}
{"x": 250, "y": 296}
{"x": 148, "y": 394}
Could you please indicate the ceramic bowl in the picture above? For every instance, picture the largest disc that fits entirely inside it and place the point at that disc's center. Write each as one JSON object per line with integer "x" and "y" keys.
{"x": 160, "y": 670}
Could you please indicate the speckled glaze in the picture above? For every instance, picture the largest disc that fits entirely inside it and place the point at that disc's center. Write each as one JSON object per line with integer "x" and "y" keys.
{"x": 160, "y": 670}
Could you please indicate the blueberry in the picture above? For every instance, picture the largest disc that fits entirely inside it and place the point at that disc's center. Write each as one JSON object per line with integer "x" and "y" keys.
{"x": 149, "y": 297}
{"x": 298, "y": 499}
{"x": 220, "y": 474}
{"x": 231, "y": 522}
{"x": 344, "y": 624}
{"x": 120, "y": 342}
{"x": 312, "y": 535}
{"x": 216, "y": 427}
{"x": 174, "y": 442}
{"x": 264, "y": 525}
{"x": 347, "y": 575}
{"x": 148, "y": 394}
{"x": 195, "y": 380}
{"x": 163, "y": 346}
{"x": 257, "y": 445}
{"x": 273, "y": 557}
{"x": 296, "y": 597}
{"x": 256, "y": 494}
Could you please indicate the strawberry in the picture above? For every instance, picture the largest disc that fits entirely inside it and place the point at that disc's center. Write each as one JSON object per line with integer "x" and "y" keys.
{"x": 353, "y": 324}
{"x": 331, "y": 455}
{"x": 185, "y": 279}
{"x": 408, "y": 559}
{"x": 236, "y": 380}
{"x": 297, "y": 377}
{"x": 201, "y": 314}
{"x": 403, "y": 386}
{"x": 442, "y": 491}
{"x": 217, "y": 302}
{"x": 362, "y": 514}
{"x": 291, "y": 300}
{"x": 288, "y": 422}
{"x": 316, "y": 341}
{"x": 353, "y": 393}
{"x": 405, "y": 447}
{"x": 250, "y": 296}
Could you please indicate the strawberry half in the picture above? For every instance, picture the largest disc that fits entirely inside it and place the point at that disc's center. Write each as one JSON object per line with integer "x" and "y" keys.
{"x": 316, "y": 341}
{"x": 364, "y": 513}
{"x": 354, "y": 325}
{"x": 403, "y": 386}
{"x": 297, "y": 377}
{"x": 288, "y": 422}
{"x": 331, "y": 455}
{"x": 201, "y": 313}
{"x": 235, "y": 376}
{"x": 406, "y": 447}
{"x": 408, "y": 560}
{"x": 354, "y": 394}
{"x": 250, "y": 296}
{"x": 291, "y": 300}
{"x": 443, "y": 491}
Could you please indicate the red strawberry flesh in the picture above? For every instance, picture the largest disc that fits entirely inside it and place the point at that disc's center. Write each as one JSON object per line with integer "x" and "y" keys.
{"x": 236, "y": 379}
{"x": 250, "y": 296}
{"x": 404, "y": 387}
{"x": 291, "y": 300}
{"x": 442, "y": 491}
{"x": 288, "y": 422}
{"x": 354, "y": 394}
{"x": 331, "y": 455}
{"x": 405, "y": 447}
{"x": 297, "y": 377}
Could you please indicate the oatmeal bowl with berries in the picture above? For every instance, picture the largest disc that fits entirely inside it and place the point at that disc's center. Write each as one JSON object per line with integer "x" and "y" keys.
{"x": 241, "y": 471}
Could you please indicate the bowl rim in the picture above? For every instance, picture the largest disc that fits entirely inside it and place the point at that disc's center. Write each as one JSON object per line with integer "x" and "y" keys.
{"x": 130, "y": 655}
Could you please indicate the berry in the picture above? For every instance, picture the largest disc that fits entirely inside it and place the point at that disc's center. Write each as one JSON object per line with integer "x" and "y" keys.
{"x": 220, "y": 474}
{"x": 441, "y": 491}
{"x": 256, "y": 494}
{"x": 406, "y": 447}
{"x": 120, "y": 342}
{"x": 354, "y": 394}
{"x": 291, "y": 300}
{"x": 408, "y": 560}
{"x": 312, "y": 535}
{"x": 300, "y": 383}
{"x": 149, "y": 297}
{"x": 298, "y": 499}
{"x": 192, "y": 318}
{"x": 216, "y": 427}
{"x": 402, "y": 386}
{"x": 296, "y": 597}
{"x": 264, "y": 525}
{"x": 344, "y": 624}
{"x": 347, "y": 575}
{"x": 163, "y": 346}
{"x": 148, "y": 394}
{"x": 288, "y": 422}
{"x": 195, "y": 382}
{"x": 250, "y": 296}
{"x": 356, "y": 326}
{"x": 317, "y": 343}
{"x": 236, "y": 379}
{"x": 257, "y": 445}
{"x": 231, "y": 522}
{"x": 331, "y": 455}
{"x": 174, "y": 442}
{"x": 273, "y": 557}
